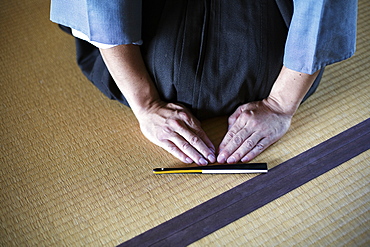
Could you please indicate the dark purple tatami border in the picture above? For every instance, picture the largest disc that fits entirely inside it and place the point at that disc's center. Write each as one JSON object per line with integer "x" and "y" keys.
{"x": 233, "y": 204}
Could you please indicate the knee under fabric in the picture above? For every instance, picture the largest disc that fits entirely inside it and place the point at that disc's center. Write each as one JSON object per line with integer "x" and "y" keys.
{"x": 211, "y": 58}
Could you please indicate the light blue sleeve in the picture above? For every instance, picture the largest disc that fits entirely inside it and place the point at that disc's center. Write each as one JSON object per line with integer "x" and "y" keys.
{"x": 321, "y": 32}
{"x": 112, "y": 22}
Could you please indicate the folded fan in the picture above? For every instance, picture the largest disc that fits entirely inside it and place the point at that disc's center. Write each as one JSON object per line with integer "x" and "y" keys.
{"x": 216, "y": 169}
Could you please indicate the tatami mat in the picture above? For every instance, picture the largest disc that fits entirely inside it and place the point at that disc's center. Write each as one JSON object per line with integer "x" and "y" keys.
{"x": 76, "y": 171}
{"x": 332, "y": 210}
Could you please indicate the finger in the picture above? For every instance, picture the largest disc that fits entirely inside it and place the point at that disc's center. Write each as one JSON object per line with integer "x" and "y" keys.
{"x": 196, "y": 128}
{"x": 259, "y": 148}
{"x": 230, "y": 134}
{"x": 175, "y": 151}
{"x": 194, "y": 146}
{"x": 233, "y": 117}
{"x": 185, "y": 147}
{"x": 197, "y": 139}
{"x": 172, "y": 142}
{"x": 208, "y": 151}
{"x": 203, "y": 136}
{"x": 244, "y": 148}
{"x": 241, "y": 109}
{"x": 239, "y": 128}
{"x": 232, "y": 146}
{"x": 223, "y": 154}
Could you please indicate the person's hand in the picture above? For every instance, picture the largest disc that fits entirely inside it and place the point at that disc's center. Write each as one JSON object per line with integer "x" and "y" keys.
{"x": 172, "y": 127}
{"x": 252, "y": 128}
{"x": 168, "y": 125}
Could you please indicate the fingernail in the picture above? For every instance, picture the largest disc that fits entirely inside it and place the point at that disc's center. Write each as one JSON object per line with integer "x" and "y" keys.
{"x": 245, "y": 159}
{"x": 221, "y": 158}
{"x": 231, "y": 160}
{"x": 211, "y": 158}
{"x": 203, "y": 162}
{"x": 188, "y": 160}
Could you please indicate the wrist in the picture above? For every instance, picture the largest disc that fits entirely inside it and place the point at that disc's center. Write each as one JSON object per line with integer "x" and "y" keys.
{"x": 145, "y": 105}
{"x": 279, "y": 105}
{"x": 289, "y": 90}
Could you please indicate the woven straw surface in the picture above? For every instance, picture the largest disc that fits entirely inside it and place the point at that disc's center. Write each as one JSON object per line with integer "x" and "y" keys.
{"x": 75, "y": 169}
{"x": 332, "y": 210}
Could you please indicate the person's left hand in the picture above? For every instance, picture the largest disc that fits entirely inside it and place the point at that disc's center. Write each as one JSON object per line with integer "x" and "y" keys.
{"x": 252, "y": 128}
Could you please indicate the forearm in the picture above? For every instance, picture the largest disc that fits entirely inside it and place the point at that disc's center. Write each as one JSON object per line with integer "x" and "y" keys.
{"x": 168, "y": 125}
{"x": 128, "y": 70}
{"x": 289, "y": 89}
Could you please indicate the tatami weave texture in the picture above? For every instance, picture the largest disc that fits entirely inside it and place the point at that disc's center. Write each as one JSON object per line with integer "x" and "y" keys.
{"x": 76, "y": 171}
{"x": 332, "y": 210}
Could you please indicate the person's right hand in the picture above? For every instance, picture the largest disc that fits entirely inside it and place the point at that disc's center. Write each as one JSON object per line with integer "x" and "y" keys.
{"x": 172, "y": 127}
